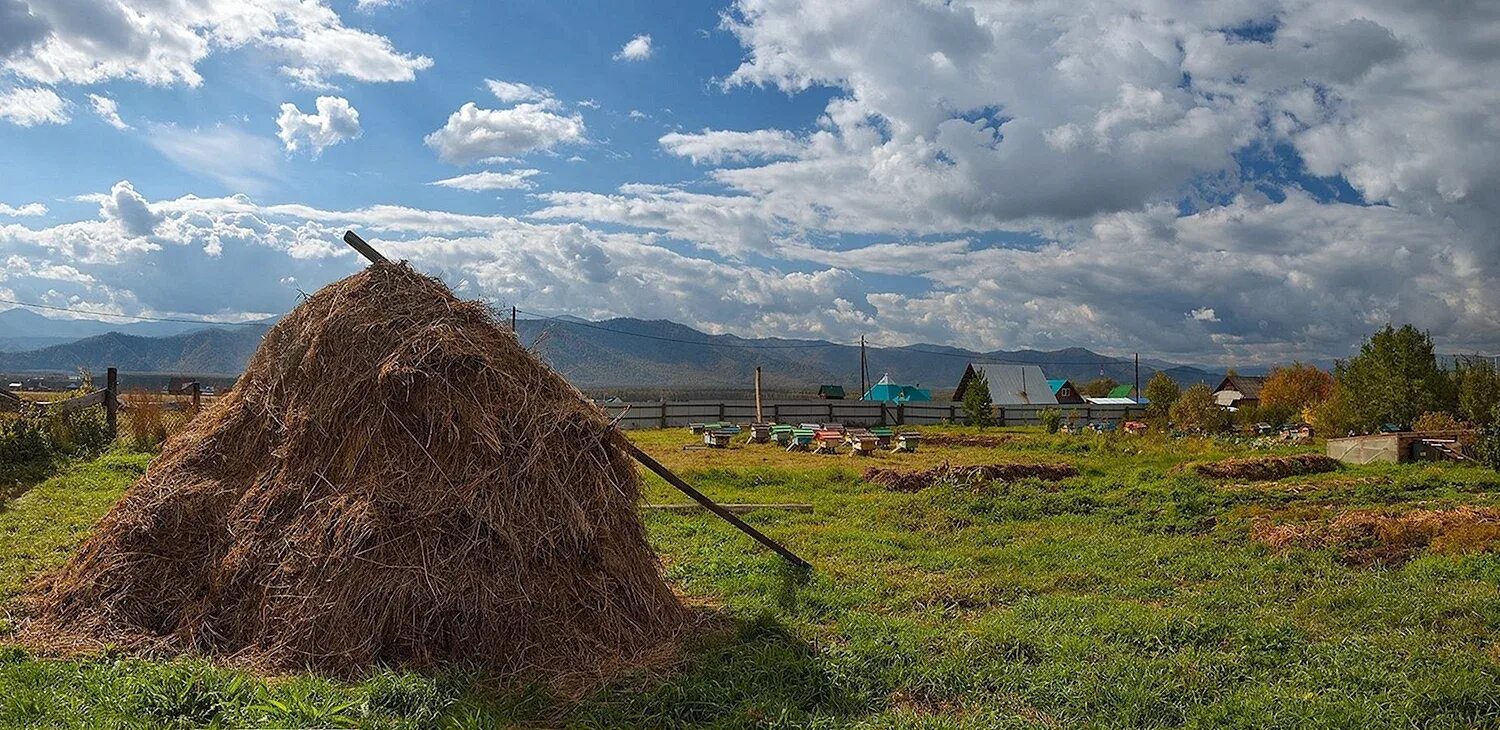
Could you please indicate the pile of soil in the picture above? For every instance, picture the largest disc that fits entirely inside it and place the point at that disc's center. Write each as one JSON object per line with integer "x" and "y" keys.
{"x": 1266, "y": 468}
{"x": 915, "y": 481}
{"x": 953, "y": 439}
{"x": 1367, "y": 537}
{"x": 394, "y": 480}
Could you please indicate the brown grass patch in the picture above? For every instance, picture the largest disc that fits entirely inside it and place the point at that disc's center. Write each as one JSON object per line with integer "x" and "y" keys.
{"x": 394, "y": 480}
{"x": 913, "y": 481}
{"x": 1267, "y": 468}
{"x": 955, "y": 439}
{"x": 1383, "y": 537}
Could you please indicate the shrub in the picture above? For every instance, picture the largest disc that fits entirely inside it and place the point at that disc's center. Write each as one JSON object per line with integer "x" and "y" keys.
{"x": 1197, "y": 411}
{"x": 80, "y": 432}
{"x": 23, "y": 440}
{"x": 145, "y": 420}
{"x": 1487, "y": 447}
{"x": 1437, "y": 421}
{"x": 1333, "y": 417}
{"x": 1051, "y": 419}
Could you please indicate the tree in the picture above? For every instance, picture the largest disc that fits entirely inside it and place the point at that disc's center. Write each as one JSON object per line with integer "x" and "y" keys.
{"x": 1098, "y": 387}
{"x": 978, "y": 406}
{"x": 1478, "y": 391}
{"x": 1394, "y": 378}
{"x": 1334, "y": 417}
{"x": 1198, "y": 412}
{"x": 1487, "y": 448}
{"x": 1292, "y": 391}
{"x": 1161, "y": 392}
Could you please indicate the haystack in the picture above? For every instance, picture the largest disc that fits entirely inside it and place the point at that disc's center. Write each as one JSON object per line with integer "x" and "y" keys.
{"x": 394, "y": 480}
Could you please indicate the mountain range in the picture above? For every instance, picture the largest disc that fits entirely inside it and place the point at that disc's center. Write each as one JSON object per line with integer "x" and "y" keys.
{"x": 631, "y": 356}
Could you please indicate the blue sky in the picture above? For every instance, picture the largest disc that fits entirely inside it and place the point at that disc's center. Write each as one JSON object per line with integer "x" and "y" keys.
{"x": 1226, "y": 182}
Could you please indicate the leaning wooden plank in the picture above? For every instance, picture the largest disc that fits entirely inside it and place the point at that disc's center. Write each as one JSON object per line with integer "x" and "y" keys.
{"x": 738, "y": 509}
{"x": 77, "y": 404}
{"x": 712, "y": 506}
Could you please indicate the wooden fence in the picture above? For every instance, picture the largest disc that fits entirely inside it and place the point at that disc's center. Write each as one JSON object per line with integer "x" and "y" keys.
{"x": 671, "y": 414}
{"x": 108, "y": 396}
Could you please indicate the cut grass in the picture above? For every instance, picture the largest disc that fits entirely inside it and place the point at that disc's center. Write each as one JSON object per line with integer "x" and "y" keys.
{"x": 1127, "y": 596}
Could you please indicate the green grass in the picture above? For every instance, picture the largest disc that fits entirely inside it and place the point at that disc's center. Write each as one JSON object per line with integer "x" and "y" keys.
{"x": 1129, "y": 596}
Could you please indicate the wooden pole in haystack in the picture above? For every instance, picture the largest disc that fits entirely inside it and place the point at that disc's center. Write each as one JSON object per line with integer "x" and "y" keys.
{"x": 656, "y": 467}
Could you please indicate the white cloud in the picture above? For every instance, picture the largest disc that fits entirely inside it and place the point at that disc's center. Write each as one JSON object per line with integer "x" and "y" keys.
{"x": 162, "y": 41}
{"x": 490, "y": 180}
{"x": 636, "y": 49}
{"x": 27, "y": 209}
{"x": 1203, "y": 314}
{"x": 718, "y": 146}
{"x": 472, "y": 134}
{"x": 130, "y": 210}
{"x": 512, "y": 92}
{"x": 108, "y": 110}
{"x": 335, "y": 121}
{"x": 28, "y": 107}
{"x": 239, "y": 160}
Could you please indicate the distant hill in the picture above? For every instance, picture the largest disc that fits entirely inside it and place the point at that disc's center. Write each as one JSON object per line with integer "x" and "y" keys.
{"x": 205, "y": 352}
{"x": 22, "y": 324}
{"x": 634, "y": 355}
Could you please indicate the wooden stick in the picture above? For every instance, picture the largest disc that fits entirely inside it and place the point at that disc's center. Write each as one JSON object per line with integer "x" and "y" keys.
{"x": 365, "y": 249}
{"x": 645, "y": 459}
{"x": 712, "y": 506}
{"x": 738, "y": 509}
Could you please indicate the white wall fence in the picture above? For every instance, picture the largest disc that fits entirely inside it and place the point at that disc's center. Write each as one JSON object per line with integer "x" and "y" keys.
{"x": 672, "y": 414}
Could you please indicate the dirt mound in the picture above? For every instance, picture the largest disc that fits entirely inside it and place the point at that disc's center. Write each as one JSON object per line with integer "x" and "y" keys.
{"x": 1383, "y": 537}
{"x": 394, "y": 480}
{"x": 914, "y": 481}
{"x": 953, "y": 439}
{"x": 1266, "y": 468}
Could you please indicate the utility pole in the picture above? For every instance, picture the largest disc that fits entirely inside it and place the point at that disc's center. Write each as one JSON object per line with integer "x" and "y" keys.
{"x": 758, "y": 418}
{"x": 513, "y": 320}
{"x": 864, "y": 370}
{"x": 1138, "y": 378}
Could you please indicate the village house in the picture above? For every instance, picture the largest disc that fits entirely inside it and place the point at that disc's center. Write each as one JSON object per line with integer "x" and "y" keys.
{"x": 1010, "y": 385}
{"x": 1239, "y": 391}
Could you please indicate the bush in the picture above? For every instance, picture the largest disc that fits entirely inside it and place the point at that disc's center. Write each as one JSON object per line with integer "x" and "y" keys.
{"x": 1487, "y": 447}
{"x": 1197, "y": 411}
{"x": 80, "y": 432}
{"x": 23, "y": 440}
{"x": 1051, "y": 419}
{"x": 1437, "y": 421}
{"x": 145, "y": 419}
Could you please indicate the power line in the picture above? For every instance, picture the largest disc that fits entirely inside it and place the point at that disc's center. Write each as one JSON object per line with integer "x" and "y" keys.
{"x": 143, "y": 318}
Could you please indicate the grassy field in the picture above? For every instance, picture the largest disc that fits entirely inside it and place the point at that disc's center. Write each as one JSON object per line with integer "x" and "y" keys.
{"x": 1132, "y": 595}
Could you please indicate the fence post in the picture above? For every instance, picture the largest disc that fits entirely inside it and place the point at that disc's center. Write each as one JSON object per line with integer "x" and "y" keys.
{"x": 776, "y": 412}
{"x": 111, "y": 400}
{"x": 900, "y": 414}
{"x": 721, "y": 411}
{"x": 197, "y": 389}
{"x": 663, "y": 406}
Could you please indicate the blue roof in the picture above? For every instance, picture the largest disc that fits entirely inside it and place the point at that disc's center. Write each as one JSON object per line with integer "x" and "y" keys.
{"x": 1056, "y": 384}
{"x": 890, "y": 392}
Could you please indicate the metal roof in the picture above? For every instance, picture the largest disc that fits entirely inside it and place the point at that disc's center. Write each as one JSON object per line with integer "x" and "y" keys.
{"x": 1017, "y": 385}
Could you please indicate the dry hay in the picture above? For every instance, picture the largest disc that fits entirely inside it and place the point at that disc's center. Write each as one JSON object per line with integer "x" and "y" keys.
{"x": 955, "y": 439}
{"x": 1383, "y": 537}
{"x": 945, "y": 473}
{"x": 395, "y": 480}
{"x": 1267, "y": 468}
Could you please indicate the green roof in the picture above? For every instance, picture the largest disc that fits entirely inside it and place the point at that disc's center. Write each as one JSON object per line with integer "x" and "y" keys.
{"x": 1121, "y": 391}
